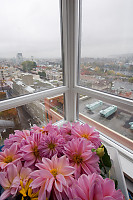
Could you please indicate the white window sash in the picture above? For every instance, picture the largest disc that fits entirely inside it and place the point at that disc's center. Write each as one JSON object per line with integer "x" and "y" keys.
{"x": 22, "y": 100}
{"x": 123, "y": 103}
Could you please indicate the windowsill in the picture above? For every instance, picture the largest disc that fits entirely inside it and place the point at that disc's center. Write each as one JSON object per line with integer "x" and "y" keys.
{"x": 126, "y": 158}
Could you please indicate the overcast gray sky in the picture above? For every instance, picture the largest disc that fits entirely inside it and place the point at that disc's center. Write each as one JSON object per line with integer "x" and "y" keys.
{"x": 33, "y": 28}
{"x": 107, "y": 27}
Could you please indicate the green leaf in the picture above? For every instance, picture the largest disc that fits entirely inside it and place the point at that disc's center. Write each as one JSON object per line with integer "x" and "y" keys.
{"x": 116, "y": 183}
{"x": 93, "y": 150}
{"x": 100, "y": 164}
{"x": 106, "y": 159}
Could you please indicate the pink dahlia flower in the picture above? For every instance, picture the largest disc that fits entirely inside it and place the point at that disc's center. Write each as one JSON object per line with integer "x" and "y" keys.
{"x": 81, "y": 157}
{"x": 10, "y": 179}
{"x": 51, "y": 144}
{"x": 23, "y": 172}
{"x": 30, "y": 151}
{"x": 6, "y": 181}
{"x": 54, "y": 174}
{"x": 36, "y": 129}
{"x": 16, "y": 138}
{"x": 66, "y": 130}
{"x": 88, "y": 133}
{"x": 50, "y": 128}
{"x": 9, "y": 156}
{"x": 45, "y": 129}
{"x": 94, "y": 187}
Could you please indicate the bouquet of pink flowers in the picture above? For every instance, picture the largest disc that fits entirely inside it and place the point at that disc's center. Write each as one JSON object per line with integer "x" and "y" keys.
{"x": 63, "y": 163}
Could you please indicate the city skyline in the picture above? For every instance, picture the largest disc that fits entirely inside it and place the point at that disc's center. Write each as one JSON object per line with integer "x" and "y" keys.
{"x": 33, "y": 28}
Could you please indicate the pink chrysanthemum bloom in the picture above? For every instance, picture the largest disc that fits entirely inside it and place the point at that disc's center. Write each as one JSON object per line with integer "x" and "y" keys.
{"x": 94, "y": 187}
{"x": 35, "y": 129}
{"x": 10, "y": 179}
{"x": 30, "y": 151}
{"x": 51, "y": 144}
{"x": 50, "y": 128}
{"x": 45, "y": 129}
{"x": 6, "y": 181}
{"x": 22, "y": 172}
{"x": 81, "y": 157}
{"x": 54, "y": 174}
{"x": 9, "y": 156}
{"x": 66, "y": 130}
{"x": 16, "y": 138}
{"x": 88, "y": 133}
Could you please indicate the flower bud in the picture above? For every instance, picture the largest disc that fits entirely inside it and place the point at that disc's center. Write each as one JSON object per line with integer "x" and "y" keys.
{"x": 100, "y": 151}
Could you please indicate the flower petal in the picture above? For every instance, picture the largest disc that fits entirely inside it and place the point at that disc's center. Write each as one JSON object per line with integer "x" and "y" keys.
{"x": 42, "y": 193}
{"x": 25, "y": 172}
{"x": 37, "y": 182}
{"x": 58, "y": 186}
{"x": 61, "y": 179}
{"x": 5, "y": 194}
{"x": 50, "y": 184}
{"x": 13, "y": 149}
{"x": 67, "y": 171}
{"x": 3, "y": 180}
{"x": 29, "y": 163}
{"x": 27, "y": 148}
{"x": 12, "y": 172}
{"x": 41, "y": 173}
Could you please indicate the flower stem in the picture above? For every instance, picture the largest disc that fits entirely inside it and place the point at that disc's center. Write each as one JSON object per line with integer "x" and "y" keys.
{"x": 105, "y": 171}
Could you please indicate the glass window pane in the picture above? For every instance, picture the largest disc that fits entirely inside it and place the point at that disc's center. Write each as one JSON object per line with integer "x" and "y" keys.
{"x": 107, "y": 115}
{"x": 30, "y": 50}
{"x": 107, "y": 46}
{"x": 39, "y": 112}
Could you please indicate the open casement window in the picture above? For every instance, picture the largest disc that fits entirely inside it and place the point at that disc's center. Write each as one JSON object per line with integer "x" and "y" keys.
{"x": 68, "y": 101}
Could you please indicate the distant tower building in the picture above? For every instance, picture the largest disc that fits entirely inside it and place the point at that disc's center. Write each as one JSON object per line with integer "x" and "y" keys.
{"x": 32, "y": 58}
{"x": 19, "y": 58}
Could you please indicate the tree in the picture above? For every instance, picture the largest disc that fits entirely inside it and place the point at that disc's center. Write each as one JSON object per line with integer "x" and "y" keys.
{"x": 28, "y": 66}
{"x": 42, "y": 74}
{"x": 97, "y": 69}
{"x": 110, "y": 72}
{"x": 130, "y": 80}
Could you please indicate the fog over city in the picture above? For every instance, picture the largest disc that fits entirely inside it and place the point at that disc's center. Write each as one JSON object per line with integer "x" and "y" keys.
{"x": 33, "y": 28}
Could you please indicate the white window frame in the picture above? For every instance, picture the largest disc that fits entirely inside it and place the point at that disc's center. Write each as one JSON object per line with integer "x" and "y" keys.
{"x": 70, "y": 28}
{"x": 22, "y": 100}
{"x": 72, "y": 19}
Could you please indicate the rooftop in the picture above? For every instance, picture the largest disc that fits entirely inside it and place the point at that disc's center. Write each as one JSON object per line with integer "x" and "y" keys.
{"x": 119, "y": 121}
